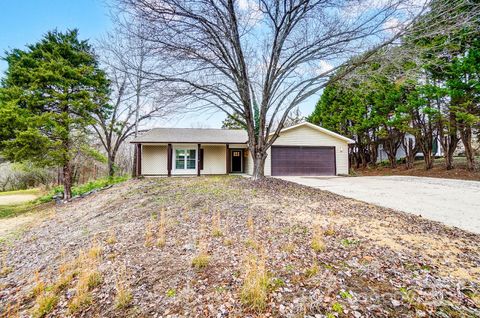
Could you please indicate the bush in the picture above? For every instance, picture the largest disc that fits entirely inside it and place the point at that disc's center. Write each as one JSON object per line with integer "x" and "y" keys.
{"x": 83, "y": 188}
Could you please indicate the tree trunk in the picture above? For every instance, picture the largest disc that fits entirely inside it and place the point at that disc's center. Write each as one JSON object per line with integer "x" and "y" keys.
{"x": 466, "y": 136}
{"x": 428, "y": 158}
{"x": 410, "y": 152}
{"x": 67, "y": 181}
{"x": 111, "y": 165}
{"x": 392, "y": 158}
{"x": 258, "y": 165}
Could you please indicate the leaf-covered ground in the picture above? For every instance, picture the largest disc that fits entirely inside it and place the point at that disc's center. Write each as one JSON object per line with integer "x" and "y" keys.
{"x": 191, "y": 247}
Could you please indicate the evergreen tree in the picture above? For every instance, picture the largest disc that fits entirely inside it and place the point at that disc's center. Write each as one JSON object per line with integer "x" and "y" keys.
{"x": 48, "y": 95}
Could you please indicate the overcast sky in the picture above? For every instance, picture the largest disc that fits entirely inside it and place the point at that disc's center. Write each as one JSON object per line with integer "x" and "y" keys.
{"x": 25, "y": 21}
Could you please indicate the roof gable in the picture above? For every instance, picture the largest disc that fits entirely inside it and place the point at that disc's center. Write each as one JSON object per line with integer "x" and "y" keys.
{"x": 318, "y": 129}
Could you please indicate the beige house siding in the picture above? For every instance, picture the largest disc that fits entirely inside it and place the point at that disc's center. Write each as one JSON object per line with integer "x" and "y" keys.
{"x": 154, "y": 159}
{"x": 307, "y": 136}
{"x": 214, "y": 159}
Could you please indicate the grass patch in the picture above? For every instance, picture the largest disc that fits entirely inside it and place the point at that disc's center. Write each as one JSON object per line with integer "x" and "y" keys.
{"x": 83, "y": 188}
{"x": 34, "y": 191}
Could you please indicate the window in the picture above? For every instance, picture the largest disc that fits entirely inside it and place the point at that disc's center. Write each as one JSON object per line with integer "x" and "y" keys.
{"x": 185, "y": 159}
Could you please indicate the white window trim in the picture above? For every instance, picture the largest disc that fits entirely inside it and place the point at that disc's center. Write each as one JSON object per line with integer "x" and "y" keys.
{"x": 174, "y": 165}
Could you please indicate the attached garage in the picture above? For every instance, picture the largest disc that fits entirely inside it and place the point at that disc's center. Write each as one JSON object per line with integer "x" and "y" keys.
{"x": 303, "y": 161}
{"x": 307, "y": 150}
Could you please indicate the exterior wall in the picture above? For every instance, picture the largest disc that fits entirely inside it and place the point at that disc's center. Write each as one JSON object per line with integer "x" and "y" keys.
{"x": 154, "y": 160}
{"x": 214, "y": 159}
{"x": 307, "y": 136}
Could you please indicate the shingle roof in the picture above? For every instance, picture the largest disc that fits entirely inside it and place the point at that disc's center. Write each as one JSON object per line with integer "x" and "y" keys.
{"x": 193, "y": 135}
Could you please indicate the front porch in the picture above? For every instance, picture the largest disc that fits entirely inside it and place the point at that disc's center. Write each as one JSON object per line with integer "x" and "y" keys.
{"x": 177, "y": 159}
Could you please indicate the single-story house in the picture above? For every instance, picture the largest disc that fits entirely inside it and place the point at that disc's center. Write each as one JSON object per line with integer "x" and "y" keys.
{"x": 301, "y": 150}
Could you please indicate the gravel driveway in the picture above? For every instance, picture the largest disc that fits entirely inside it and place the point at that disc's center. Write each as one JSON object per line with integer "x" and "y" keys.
{"x": 453, "y": 202}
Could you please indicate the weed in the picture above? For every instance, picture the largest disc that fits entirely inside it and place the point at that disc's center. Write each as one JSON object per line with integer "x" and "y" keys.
{"x": 330, "y": 231}
{"x": 95, "y": 251}
{"x": 345, "y": 294}
{"x": 276, "y": 283}
{"x": 124, "y": 297}
{"x": 220, "y": 289}
{"x": 348, "y": 242}
{"x": 408, "y": 295}
{"x": 44, "y": 304}
{"x": 289, "y": 267}
{"x": 171, "y": 292}
{"x": 337, "y": 307}
{"x": 79, "y": 302}
{"x": 318, "y": 244}
{"x": 202, "y": 259}
{"x": 312, "y": 270}
{"x": 254, "y": 292}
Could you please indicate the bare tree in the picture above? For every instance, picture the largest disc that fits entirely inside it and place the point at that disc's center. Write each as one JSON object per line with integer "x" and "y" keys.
{"x": 261, "y": 59}
{"x": 134, "y": 98}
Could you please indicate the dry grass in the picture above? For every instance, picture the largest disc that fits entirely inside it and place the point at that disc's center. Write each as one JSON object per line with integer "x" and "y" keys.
{"x": 318, "y": 242}
{"x": 88, "y": 278}
{"x": 254, "y": 292}
{"x": 39, "y": 287}
{"x": 112, "y": 238}
{"x": 44, "y": 304}
{"x": 312, "y": 270}
{"x": 202, "y": 259}
{"x": 123, "y": 297}
{"x": 216, "y": 225}
{"x": 162, "y": 229}
{"x": 149, "y": 235}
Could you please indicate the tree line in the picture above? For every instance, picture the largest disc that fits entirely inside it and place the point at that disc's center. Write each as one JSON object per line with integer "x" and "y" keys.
{"x": 410, "y": 95}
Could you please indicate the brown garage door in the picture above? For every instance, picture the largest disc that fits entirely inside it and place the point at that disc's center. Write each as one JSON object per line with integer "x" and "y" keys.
{"x": 303, "y": 161}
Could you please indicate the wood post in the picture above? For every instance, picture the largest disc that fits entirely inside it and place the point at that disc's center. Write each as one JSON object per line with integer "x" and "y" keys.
{"x": 228, "y": 159}
{"x": 139, "y": 160}
{"x": 198, "y": 160}
{"x": 169, "y": 160}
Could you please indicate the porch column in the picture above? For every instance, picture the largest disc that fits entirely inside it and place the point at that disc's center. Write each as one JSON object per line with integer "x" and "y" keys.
{"x": 198, "y": 160}
{"x": 169, "y": 160}
{"x": 228, "y": 158}
{"x": 139, "y": 160}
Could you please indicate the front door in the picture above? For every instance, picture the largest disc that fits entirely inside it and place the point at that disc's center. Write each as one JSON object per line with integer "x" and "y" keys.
{"x": 237, "y": 160}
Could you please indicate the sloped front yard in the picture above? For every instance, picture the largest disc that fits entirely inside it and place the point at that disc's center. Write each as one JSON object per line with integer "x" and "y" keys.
{"x": 229, "y": 247}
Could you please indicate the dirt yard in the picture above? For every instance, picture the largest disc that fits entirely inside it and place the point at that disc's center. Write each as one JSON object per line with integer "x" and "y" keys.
{"x": 418, "y": 170}
{"x": 229, "y": 247}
